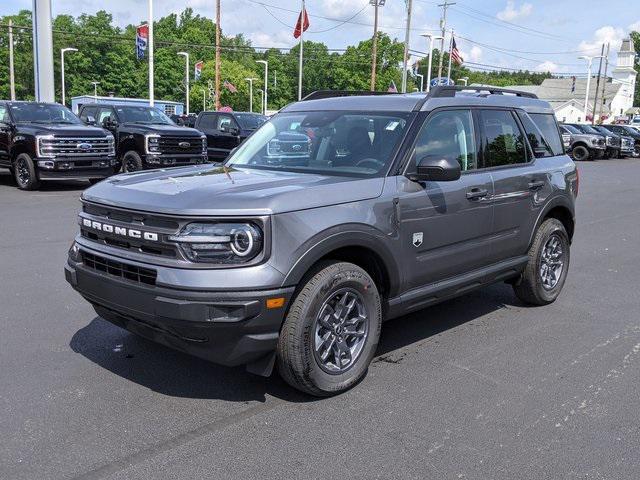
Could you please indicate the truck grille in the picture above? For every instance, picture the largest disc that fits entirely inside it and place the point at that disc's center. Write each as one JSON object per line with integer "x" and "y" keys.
{"x": 76, "y": 147}
{"x": 181, "y": 145}
{"x": 119, "y": 269}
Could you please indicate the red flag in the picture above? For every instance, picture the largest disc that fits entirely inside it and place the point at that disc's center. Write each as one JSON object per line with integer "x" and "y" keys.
{"x": 304, "y": 21}
{"x": 230, "y": 86}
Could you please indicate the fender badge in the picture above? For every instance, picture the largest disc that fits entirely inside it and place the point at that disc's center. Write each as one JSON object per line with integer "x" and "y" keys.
{"x": 417, "y": 239}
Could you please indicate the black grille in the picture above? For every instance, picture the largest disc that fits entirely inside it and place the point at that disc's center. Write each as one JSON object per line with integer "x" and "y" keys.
{"x": 177, "y": 145}
{"x": 119, "y": 269}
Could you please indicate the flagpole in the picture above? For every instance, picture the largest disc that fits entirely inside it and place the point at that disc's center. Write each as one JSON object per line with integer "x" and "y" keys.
{"x": 449, "y": 67}
{"x": 302, "y": 15}
{"x": 405, "y": 58}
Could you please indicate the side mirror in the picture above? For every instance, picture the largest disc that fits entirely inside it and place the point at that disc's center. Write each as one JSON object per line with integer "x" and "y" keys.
{"x": 107, "y": 122}
{"x": 540, "y": 152}
{"x": 228, "y": 128}
{"x": 90, "y": 120}
{"x": 437, "y": 169}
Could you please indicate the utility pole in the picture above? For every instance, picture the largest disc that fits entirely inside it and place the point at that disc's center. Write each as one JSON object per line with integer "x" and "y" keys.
{"x": 604, "y": 83}
{"x": 186, "y": 77}
{"x": 405, "y": 58}
{"x": 449, "y": 66}
{"x": 374, "y": 51}
{"x": 595, "y": 100}
{"x": 43, "y": 51}
{"x": 12, "y": 80}
{"x": 151, "y": 87}
{"x": 303, "y": 15}
{"x": 217, "y": 55}
{"x": 443, "y": 27}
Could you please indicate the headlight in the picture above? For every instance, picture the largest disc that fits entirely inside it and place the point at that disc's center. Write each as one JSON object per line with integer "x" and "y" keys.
{"x": 152, "y": 143}
{"x": 41, "y": 146}
{"x": 227, "y": 243}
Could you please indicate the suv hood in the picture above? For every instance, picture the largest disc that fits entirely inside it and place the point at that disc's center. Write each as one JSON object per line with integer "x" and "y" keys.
{"x": 164, "y": 129}
{"x": 62, "y": 129}
{"x": 218, "y": 191}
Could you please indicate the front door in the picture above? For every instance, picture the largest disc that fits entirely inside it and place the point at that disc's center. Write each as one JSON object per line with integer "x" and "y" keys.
{"x": 228, "y": 131}
{"x": 5, "y": 132}
{"x": 446, "y": 226}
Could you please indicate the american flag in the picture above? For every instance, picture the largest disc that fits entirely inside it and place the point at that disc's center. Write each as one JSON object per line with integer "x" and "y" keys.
{"x": 455, "y": 54}
{"x": 392, "y": 87}
{"x": 229, "y": 86}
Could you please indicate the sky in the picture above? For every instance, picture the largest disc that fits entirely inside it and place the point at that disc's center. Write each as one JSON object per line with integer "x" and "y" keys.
{"x": 546, "y": 35}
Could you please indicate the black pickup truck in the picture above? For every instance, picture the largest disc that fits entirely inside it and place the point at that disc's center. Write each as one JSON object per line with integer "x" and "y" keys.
{"x": 46, "y": 141}
{"x": 146, "y": 138}
{"x": 226, "y": 130}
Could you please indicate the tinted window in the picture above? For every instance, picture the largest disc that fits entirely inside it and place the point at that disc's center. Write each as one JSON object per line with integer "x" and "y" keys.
{"x": 539, "y": 145}
{"x": 104, "y": 113}
{"x": 447, "y": 134}
{"x": 43, "y": 113}
{"x": 547, "y": 124}
{"x": 4, "y": 115}
{"x": 207, "y": 120}
{"x": 250, "y": 121}
{"x": 572, "y": 129}
{"x": 88, "y": 112}
{"x": 147, "y": 115}
{"x": 225, "y": 120}
{"x": 504, "y": 142}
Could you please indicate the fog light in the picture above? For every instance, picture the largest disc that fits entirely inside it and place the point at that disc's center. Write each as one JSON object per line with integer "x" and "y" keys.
{"x": 46, "y": 164}
{"x": 64, "y": 166}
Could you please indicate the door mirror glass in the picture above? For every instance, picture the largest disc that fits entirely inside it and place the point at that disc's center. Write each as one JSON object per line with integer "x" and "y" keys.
{"x": 90, "y": 120}
{"x": 107, "y": 122}
{"x": 437, "y": 169}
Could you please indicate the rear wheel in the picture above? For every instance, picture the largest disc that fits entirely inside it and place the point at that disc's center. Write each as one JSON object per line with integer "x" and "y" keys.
{"x": 331, "y": 332}
{"x": 131, "y": 162}
{"x": 24, "y": 172}
{"x": 546, "y": 270}
{"x": 580, "y": 153}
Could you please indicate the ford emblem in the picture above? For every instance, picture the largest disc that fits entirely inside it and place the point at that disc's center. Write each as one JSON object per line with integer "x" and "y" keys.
{"x": 184, "y": 144}
{"x": 84, "y": 146}
{"x": 296, "y": 148}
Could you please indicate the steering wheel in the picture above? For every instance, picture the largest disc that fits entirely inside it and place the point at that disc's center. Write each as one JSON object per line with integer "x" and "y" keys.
{"x": 371, "y": 163}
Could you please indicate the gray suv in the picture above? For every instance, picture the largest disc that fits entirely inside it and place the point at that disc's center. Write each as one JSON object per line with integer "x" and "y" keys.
{"x": 391, "y": 203}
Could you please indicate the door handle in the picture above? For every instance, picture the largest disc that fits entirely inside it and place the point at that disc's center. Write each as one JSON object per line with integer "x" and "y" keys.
{"x": 536, "y": 185}
{"x": 477, "y": 193}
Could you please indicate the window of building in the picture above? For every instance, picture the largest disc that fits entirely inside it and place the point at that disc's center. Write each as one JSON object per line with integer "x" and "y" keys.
{"x": 170, "y": 109}
{"x": 448, "y": 134}
{"x": 504, "y": 141}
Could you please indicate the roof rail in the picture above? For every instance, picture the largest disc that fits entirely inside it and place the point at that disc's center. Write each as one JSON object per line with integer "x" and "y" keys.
{"x": 450, "y": 91}
{"x": 320, "y": 94}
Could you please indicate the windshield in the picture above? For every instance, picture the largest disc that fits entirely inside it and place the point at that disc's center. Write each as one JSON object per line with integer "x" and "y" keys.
{"x": 43, "y": 113}
{"x": 143, "y": 115}
{"x": 572, "y": 129}
{"x": 250, "y": 121}
{"x": 589, "y": 129}
{"x": 328, "y": 143}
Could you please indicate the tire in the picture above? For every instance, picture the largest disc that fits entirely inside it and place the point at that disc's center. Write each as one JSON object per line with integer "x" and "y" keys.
{"x": 24, "y": 173}
{"x": 300, "y": 347}
{"x": 131, "y": 162}
{"x": 580, "y": 153}
{"x": 534, "y": 287}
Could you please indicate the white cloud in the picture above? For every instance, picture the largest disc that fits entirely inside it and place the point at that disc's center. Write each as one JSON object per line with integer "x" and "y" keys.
{"x": 476, "y": 54}
{"x": 606, "y": 34}
{"x": 547, "y": 66}
{"x": 511, "y": 12}
{"x": 280, "y": 39}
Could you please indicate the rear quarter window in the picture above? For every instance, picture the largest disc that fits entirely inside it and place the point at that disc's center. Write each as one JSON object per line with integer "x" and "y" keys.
{"x": 547, "y": 124}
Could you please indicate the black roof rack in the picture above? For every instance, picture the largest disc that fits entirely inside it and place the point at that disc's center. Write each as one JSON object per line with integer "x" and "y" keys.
{"x": 320, "y": 94}
{"x": 450, "y": 91}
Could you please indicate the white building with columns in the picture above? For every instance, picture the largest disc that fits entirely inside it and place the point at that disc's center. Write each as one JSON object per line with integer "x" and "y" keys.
{"x": 625, "y": 75}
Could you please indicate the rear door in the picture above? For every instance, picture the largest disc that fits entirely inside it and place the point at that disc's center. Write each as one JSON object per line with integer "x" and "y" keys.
{"x": 520, "y": 183}
{"x": 228, "y": 131}
{"x": 445, "y": 226}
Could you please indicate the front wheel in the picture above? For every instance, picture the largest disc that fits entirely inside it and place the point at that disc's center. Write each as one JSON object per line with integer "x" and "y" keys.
{"x": 546, "y": 270}
{"x": 131, "y": 162}
{"x": 580, "y": 153}
{"x": 331, "y": 332}
{"x": 24, "y": 172}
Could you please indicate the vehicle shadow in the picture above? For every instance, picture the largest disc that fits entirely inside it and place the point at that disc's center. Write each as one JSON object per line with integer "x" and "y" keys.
{"x": 49, "y": 186}
{"x": 177, "y": 374}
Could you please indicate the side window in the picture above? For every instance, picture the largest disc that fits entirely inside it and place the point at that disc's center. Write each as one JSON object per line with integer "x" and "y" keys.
{"x": 448, "y": 134}
{"x": 225, "y": 120}
{"x": 88, "y": 112}
{"x": 208, "y": 120}
{"x": 504, "y": 142}
{"x": 104, "y": 113}
{"x": 547, "y": 124}
{"x": 4, "y": 114}
{"x": 538, "y": 143}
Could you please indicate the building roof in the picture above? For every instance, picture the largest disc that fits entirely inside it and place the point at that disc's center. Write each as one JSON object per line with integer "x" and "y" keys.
{"x": 626, "y": 46}
{"x": 125, "y": 99}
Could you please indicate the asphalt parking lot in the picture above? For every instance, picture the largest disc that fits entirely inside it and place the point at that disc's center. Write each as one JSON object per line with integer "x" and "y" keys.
{"x": 481, "y": 387}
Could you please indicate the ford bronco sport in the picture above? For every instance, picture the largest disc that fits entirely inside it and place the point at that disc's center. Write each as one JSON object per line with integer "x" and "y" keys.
{"x": 392, "y": 203}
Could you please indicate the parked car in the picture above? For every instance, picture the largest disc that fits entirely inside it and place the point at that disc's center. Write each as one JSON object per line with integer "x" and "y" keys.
{"x": 584, "y": 146}
{"x": 226, "y": 130}
{"x": 628, "y": 131}
{"x": 612, "y": 142}
{"x": 146, "y": 138}
{"x": 184, "y": 120}
{"x": 298, "y": 262}
{"x": 624, "y": 145}
{"x": 46, "y": 141}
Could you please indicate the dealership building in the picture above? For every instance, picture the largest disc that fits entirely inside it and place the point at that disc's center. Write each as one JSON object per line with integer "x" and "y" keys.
{"x": 166, "y": 106}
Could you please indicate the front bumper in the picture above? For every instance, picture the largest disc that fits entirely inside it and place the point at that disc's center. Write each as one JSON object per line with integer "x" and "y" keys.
{"x": 228, "y": 328}
{"x": 75, "y": 168}
{"x": 162, "y": 160}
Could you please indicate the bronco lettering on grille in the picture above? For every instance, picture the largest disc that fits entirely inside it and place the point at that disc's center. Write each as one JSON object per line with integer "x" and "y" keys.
{"x": 122, "y": 231}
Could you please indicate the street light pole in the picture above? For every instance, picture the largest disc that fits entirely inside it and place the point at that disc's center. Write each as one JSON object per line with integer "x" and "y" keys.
{"x": 250, "y": 80}
{"x": 405, "y": 58}
{"x": 464, "y": 79}
{"x": 262, "y": 97}
{"x": 421, "y": 81}
{"x": 12, "y": 80}
{"x": 374, "y": 50}
{"x": 431, "y": 39}
{"x": 62, "y": 52}
{"x": 586, "y": 94}
{"x": 186, "y": 76}
{"x": 95, "y": 91}
{"x": 217, "y": 65}
{"x": 151, "y": 89}
{"x": 266, "y": 78}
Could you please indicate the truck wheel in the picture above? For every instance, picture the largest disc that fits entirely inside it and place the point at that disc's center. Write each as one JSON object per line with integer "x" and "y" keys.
{"x": 580, "y": 153}
{"x": 546, "y": 270}
{"x": 24, "y": 172}
{"x": 331, "y": 332}
{"x": 131, "y": 162}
